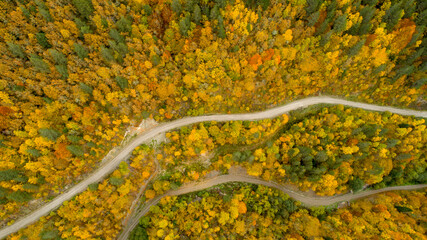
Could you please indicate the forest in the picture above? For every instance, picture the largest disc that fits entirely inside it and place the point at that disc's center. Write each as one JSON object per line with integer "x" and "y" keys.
{"x": 76, "y": 74}
{"x": 245, "y": 211}
{"x": 322, "y": 148}
{"x": 101, "y": 210}
{"x": 327, "y": 149}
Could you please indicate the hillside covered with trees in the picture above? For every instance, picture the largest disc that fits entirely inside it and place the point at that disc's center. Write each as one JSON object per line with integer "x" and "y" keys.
{"x": 76, "y": 74}
{"x": 328, "y": 149}
{"x": 240, "y": 211}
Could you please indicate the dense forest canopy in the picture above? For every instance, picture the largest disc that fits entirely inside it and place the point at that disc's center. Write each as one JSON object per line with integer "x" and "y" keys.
{"x": 75, "y": 74}
{"x": 329, "y": 150}
{"x": 242, "y": 211}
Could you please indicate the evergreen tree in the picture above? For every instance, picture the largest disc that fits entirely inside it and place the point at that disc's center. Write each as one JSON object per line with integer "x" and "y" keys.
{"x": 93, "y": 186}
{"x": 264, "y": 4}
{"x": 44, "y": 10}
{"x": 49, "y": 234}
{"x": 330, "y": 11}
{"x": 139, "y": 233}
{"x": 26, "y": 12}
{"x": 86, "y": 88}
{"x": 176, "y": 7}
{"x": 421, "y": 19}
{"x": 405, "y": 70}
{"x": 322, "y": 28}
{"x": 114, "y": 34}
{"x": 107, "y": 54}
{"x": 221, "y": 3}
{"x": 122, "y": 82}
{"x": 356, "y": 48}
{"x": 354, "y": 30}
{"x": 49, "y": 133}
{"x": 124, "y": 25}
{"x": 31, "y": 187}
{"x": 420, "y": 83}
{"x": 409, "y": 8}
{"x": 325, "y": 38}
{"x": 19, "y": 196}
{"x": 147, "y": 10}
{"x": 74, "y": 138}
{"x": 42, "y": 40}
{"x": 221, "y": 29}
{"x": 313, "y": 18}
{"x": 81, "y": 51}
{"x": 415, "y": 55}
{"x": 393, "y": 15}
{"x": 379, "y": 69}
{"x": 82, "y": 26}
{"x": 116, "y": 181}
{"x": 62, "y": 69}
{"x": 122, "y": 49}
{"x": 184, "y": 25}
{"x": 76, "y": 150}
{"x": 46, "y": 14}
{"x": 419, "y": 33}
{"x": 197, "y": 14}
{"x": 9, "y": 174}
{"x": 312, "y": 6}
{"x": 33, "y": 152}
{"x": 214, "y": 13}
{"x": 340, "y": 23}
{"x": 367, "y": 14}
{"x": 16, "y": 50}
{"x": 371, "y": 3}
{"x": 189, "y": 5}
{"x": 205, "y": 10}
{"x": 84, "y": 7}
{"x": 356, "y": 184}
{"x": 39, "y": 64}
{"x": 58, "y": 57}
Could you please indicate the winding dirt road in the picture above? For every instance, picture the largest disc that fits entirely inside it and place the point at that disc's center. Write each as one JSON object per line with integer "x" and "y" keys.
{"x": 307, "y": 201}
{"x": 125, "y": 152}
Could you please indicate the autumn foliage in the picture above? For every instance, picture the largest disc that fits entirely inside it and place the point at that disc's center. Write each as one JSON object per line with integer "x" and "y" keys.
{"x": 75, "y": 74}
{"x": 270, "y": 214}
{"x": 329, "y": 150}
{"x": 335, "y": 149}
{"x": 101, "y": 210}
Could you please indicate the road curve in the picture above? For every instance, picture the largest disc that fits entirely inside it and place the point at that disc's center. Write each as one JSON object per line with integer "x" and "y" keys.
{"x": 307, "y": 201}
{"x": 144, "y": 137}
